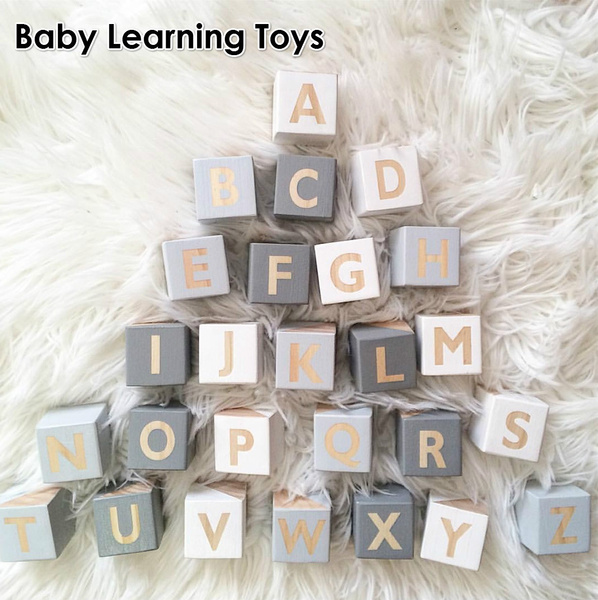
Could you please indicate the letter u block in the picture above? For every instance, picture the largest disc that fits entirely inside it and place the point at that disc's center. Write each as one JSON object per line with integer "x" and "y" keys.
{"x": 74, "y": 443}
{"x": 300, "y": 528}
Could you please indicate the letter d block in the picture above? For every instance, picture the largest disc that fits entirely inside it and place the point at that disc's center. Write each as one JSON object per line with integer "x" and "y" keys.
{"x": 74, "y": 443}
{"x": 128, "y": 519}
{"x": 37, "y": 525}
{"x": 554, "y": 521}
{"x": 300, "y": 528}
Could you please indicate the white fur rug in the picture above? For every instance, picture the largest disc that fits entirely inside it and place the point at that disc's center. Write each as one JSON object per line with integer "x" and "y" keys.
{"x": 500, "y": 99}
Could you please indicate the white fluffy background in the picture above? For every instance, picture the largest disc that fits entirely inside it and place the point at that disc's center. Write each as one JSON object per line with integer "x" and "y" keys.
{"x": 500, "y": 100}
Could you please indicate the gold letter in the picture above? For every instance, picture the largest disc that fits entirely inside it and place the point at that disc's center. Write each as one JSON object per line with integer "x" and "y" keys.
{"x": 357, "y": 276}
{"x": 144, "y": 440}
{"x": 135, "y": 525}
{"x": 191, "y": 268}
{"x": 228, "y": 354}
{"x": 423, "y": 259}
{"x": 226, "y": 184}
{"x": 21, "y": 523}
{"x": 274, "y": 274}
{"x": 155, "y": 355}
{"x": 214, "y": 537}
{"x": 441, "y": 338}
{"x": 434, "y": 449}
{"x": 344, "y": 457}
{"x": 295, "y": 197}
{"x": 235, "y": 448}
{"x": 54, "y": 448}
{"x": 567, "y": 512}
{"x": 300, "y": 530}
{"x": 304, "y": 363}
{"x": 384, "y": 531}
{"x": 308, "y": 90}
{"x": 381, "y": 375}
{"x": 517, "y": 430}
{"x": 382, "y": 191}
{"x": 453, "y": 536}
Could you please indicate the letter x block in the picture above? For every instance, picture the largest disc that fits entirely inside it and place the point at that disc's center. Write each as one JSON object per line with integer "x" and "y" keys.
{"x": 300, "y": 528}
{"x": 554, "y": 521}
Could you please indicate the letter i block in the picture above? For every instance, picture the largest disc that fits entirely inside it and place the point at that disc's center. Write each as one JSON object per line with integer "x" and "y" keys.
{"x": 385, "y": 179}
{"x": 37, "y": 525}
{"x": 429, "y": 443}
{"x": 305, "y": 354}
{"x": 455, "y": 532}
{"x": 74, "y": 443}
{"x": 448, "y": 344}
{"x": 128, "y": 519}
{"x": 554, "y": 521}
{"x": 224, "y": 188}
{"x": 215, "y": 520}
{"x": 343, "y": 439}
{"x": 509, "y": 425}
{"x": 300, "y": 528}
{"x": 304, "y": 108}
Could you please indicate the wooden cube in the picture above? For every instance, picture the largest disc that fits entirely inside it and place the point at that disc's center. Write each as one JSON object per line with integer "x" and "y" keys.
{"x": 74, "y": 443}
{"x": 304, "y": 108}
{"x": 37, "y": 525}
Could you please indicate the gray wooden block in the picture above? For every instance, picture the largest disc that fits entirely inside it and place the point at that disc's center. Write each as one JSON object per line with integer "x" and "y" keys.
{"x": 160, "y": 437}
{"x": 37, "y": 525}
{"x": 305, "y": 354}
{"x": 224, "y": 187}
{"x": 429, "y": 443}
{"x": 305, "y": 187}
{"x": 382, "y": 356}
{"x": 383, "y": 523}
{"x": 158, "y": 354}
{"x": 128, "y": 519}
{"x": 279, "y": 273}
{"x": 554, "y": 521}
{"x": 196, "y": 267}
{"x": 424, "y": 256}
{"x": 74, "y": 443}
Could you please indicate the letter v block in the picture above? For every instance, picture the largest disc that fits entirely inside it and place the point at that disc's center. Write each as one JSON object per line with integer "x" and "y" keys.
{"x": 300, "y": 528}
{"x": 74, "y": 443}
{"x": 215, "y": 520}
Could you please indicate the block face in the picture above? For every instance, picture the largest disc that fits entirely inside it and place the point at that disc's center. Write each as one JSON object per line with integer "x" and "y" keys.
{"x": 343, "y": 439}
{"x": 279, "y": 273}
{"x": 304, "y": 108}
{"x": 196, "y": 267}
{"x": 74, "y": 443}
{"x": 305, "y": 355}
{"x": 429, "y": 443}
{"x": 424, "y": 256}
{"x": 347, "y": 271}
{"x": 305, "y": 187}
{"x": 158, "y": 354}
{"x": 383, "y": 523}
{"x": 382, "y": 356}
{"x": 448, "y": 344}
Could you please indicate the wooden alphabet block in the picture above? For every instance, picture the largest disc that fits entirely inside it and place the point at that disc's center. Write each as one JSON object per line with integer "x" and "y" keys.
{"x": 509, "y": 425}
{"x": 196, "y": 267}
{"x": 305, "y": 354}
{"x": 305, "y": 187}
{"x": 343, "y": 439}
{"x": 449, "y": 344}
{"x": 424, "y": 256}
{"x": 382, "y": 356}
{"x": 347, "y": 271}
{"x": 385, "y": 180}
{"x": 215, "y": 520}
{"x": 455, "y": 532}
{"x": 279, "y": 273}
{"x": 383, "y": 523}
{"x": 37, "y": 525}
{"x": 74, "y": 443}
{"x": 230, "y": 353}
{"x": 304, "y": 108}
{"x": 429, "y": 443}
{"x": 300, "y": 528}
{"x": 160, "y": 438}
{"x": 224, "y": 188}
{"x": 554, "y": 521}
{"x": 247, "y": 440}
{"x": 128, "y": 519}
{"x": 158, "y": 354}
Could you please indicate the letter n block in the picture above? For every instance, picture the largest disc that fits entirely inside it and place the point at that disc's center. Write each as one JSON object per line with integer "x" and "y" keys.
{"x": 74, "y": 443}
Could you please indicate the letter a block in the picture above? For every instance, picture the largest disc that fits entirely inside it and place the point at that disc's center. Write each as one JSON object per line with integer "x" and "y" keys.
{"x": 128, "y": 519}
{"x": 74, "y": 443}
{"x": 215, "y": 520}
{"x": 343, "y": 439}
{"x": 554, "y": 521}
{"x": 37, "y": 525}
{"x": 304, "y": 108}
{"x": 300, "y": 528}
{"x": 455, "y": 532}
{"x": 509, "y": 425}
{"x": 305, "y": 356}
{"x": 448, "y": 344}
